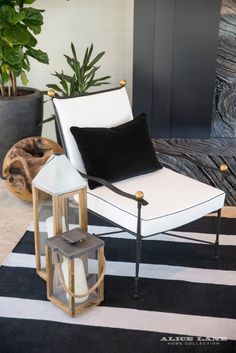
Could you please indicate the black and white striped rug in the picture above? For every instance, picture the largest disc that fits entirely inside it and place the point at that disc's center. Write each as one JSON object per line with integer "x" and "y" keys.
{"x": 187, "y": 299}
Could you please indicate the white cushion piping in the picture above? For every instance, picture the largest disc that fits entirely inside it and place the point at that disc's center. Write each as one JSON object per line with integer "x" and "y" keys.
{"x": 150, "y": 219}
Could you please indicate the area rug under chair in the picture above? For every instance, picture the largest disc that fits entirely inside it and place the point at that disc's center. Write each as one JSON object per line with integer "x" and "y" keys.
{"x": 187, "y": 298}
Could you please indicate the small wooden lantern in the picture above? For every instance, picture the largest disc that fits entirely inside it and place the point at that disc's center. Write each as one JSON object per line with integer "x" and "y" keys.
{"x": 75, "y": 271}
{"x": 54, "y": 189}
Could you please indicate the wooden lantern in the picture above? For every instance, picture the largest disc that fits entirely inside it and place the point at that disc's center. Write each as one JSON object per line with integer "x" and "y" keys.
{"x": 75, "y": 271}
{"x": 54, "y": 189}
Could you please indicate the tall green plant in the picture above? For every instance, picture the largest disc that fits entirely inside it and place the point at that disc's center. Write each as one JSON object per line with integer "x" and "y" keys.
{"x": 82, "y": 77}
{"x": 19, "y": 23}
{"x": 83, "y": 74}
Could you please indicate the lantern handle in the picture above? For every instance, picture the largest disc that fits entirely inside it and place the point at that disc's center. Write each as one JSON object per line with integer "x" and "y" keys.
{"x": 63, "y": 283}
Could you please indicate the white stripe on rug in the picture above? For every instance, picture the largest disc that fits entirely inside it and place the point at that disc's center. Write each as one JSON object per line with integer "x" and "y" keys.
{"x": 224, "y": 239}
{"x": 115, "y": 268}
{"x": 121, "y": 318}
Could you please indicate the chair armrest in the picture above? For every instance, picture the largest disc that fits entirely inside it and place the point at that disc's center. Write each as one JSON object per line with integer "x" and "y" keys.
{"x": 137, "y": 197}
{"x": 223, "y": 168}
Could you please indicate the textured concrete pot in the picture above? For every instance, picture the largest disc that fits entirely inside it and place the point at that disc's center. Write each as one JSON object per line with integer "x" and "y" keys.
{"x": 19, "y": 118}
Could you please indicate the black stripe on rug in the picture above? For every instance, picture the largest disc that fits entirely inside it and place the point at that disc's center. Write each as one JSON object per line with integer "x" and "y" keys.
{"x": 155, "y": 294}
{"x": 171, "y": 253}
{"x": 156, "y": 252}
{"x": 36, "y": 336}
{"x": 208, "y": 225}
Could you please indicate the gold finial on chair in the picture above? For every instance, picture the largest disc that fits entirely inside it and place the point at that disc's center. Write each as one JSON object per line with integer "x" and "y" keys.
{"x": 123, "y": 83}
{"x": 51, "y": 93}
{"x": 224, "y": 168}
{"x": 139, "y": 195}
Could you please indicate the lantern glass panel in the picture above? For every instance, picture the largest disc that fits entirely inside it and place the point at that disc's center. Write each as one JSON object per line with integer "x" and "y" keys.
{"x": 79, "y": 274}
{"x": 55, "y": 216}
{"x": 44, "y": 213}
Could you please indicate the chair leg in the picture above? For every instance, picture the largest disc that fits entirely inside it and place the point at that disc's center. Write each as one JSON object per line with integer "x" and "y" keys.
{"x": 217, "y": 233}
{"x": 138, "y": 256}
{"x": 138, "y": 250}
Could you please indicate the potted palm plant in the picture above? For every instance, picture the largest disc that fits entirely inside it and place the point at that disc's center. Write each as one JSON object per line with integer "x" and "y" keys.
{"x": 21, "y": 108}
{"x": 82, "y": 75}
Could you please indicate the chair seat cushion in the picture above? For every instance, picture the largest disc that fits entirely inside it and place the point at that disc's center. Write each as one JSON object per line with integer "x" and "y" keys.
{"x": 174, "y": 200}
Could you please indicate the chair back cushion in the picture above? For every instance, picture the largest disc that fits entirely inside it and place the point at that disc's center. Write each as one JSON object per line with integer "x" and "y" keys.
{"x": 104, "y": 109}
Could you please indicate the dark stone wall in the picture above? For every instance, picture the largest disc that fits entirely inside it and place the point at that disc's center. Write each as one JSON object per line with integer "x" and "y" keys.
{"x": 224, "y": 110}
{"x": 209, "y": 152}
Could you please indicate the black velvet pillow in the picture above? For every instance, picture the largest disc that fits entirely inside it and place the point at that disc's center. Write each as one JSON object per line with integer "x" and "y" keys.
{"x": 116, "y": 153}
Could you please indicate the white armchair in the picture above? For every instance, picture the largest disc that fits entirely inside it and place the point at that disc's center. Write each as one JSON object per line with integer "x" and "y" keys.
{"x": 167, "y": 199}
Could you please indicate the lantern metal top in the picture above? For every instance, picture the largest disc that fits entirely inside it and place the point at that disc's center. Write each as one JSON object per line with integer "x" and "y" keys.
{"x": 61, "y": 246}
{"x": 58, "y": 176}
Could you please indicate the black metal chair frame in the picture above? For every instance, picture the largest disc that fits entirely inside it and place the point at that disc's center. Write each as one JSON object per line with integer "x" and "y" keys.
{"x": 142, "y": 202}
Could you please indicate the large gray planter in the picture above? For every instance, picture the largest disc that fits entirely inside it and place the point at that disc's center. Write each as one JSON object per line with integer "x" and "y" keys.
{"x": 19, "y": 118}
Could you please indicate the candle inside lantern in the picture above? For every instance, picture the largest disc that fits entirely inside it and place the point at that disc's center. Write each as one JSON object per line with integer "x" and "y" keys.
{"x": 79, "y": 273}
{"x": 81, "y": 285}
{"x": 49, "y": 226}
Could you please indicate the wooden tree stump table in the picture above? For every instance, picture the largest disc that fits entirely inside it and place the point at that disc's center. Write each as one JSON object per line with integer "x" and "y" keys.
{"x": 23, "y": 162}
